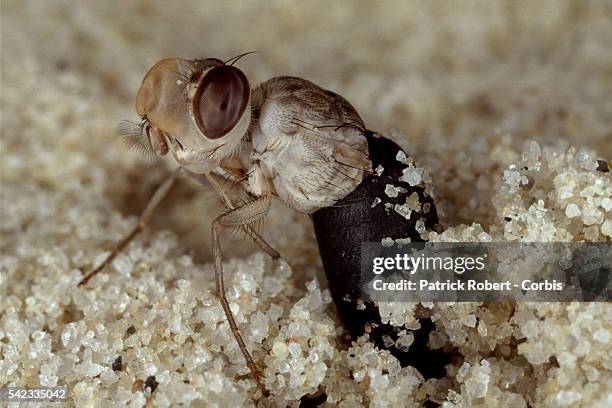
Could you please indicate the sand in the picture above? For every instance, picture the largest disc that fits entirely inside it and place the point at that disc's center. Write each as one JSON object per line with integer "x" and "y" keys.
{"x": 475, "y": 91}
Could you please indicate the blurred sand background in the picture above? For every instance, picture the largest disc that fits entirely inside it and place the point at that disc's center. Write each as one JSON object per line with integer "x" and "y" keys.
{"x": 463, "y": 85}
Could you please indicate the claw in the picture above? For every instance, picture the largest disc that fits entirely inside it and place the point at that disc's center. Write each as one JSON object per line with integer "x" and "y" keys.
{"x": 257, "y": 375}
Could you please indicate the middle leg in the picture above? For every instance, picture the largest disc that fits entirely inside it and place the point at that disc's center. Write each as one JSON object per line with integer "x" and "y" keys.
{"x": 241, "y": 216}
{"x": 248, "y": 228}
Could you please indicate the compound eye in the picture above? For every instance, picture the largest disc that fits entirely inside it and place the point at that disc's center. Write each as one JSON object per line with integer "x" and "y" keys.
{"x": 220, "y": 101}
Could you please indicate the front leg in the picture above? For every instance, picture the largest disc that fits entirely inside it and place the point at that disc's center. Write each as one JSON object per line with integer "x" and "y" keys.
{"x": 241, "y": 216}
{"x": 143, "y": 220}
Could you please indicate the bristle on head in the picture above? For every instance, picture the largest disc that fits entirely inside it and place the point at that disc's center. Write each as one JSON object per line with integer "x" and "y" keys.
{"x": 134, "y": 135}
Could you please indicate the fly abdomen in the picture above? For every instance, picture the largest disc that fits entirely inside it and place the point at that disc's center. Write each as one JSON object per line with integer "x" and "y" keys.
{"x": 360, "y": 217}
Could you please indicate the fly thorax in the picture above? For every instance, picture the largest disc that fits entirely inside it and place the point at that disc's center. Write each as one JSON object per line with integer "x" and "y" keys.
{"x": 259, "y": 179}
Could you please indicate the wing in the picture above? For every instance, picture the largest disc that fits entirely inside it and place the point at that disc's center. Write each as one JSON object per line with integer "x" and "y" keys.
{"x": 311, "y": 142}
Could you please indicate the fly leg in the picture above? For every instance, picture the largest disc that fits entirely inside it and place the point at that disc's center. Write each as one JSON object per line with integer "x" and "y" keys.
{"x": 250, "y": 231}
{"x": 145, "y": 216}
{"x": 239, "y": 217}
